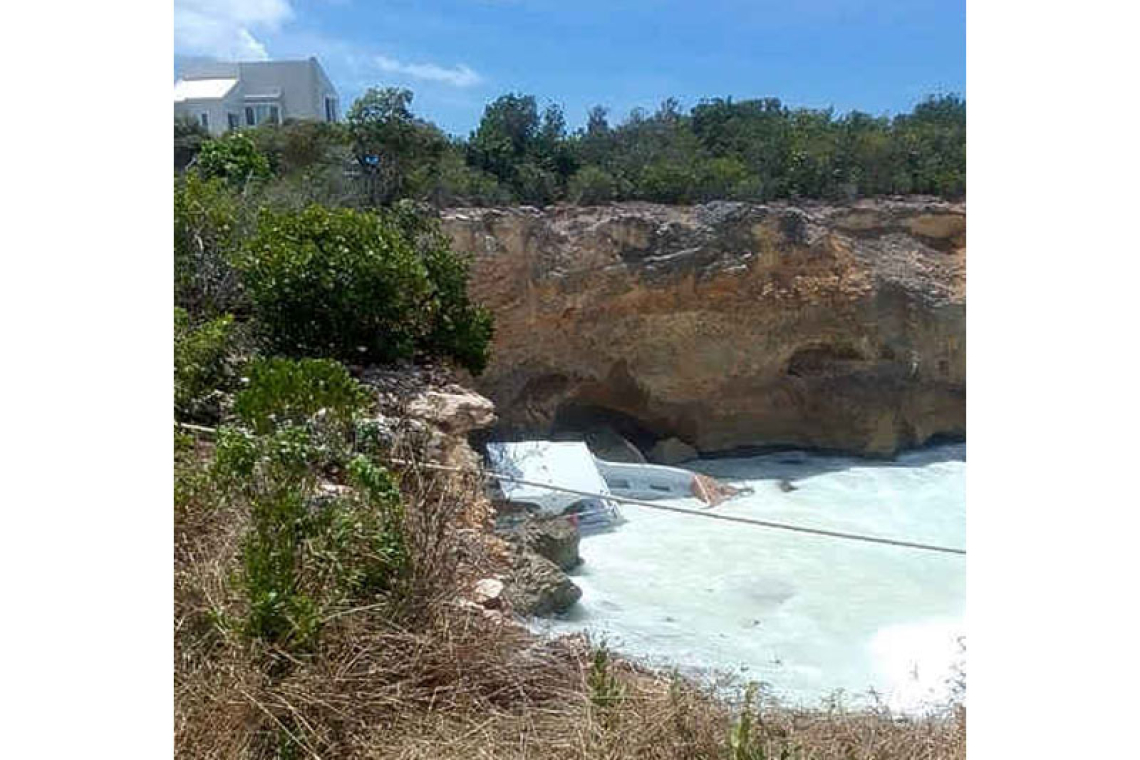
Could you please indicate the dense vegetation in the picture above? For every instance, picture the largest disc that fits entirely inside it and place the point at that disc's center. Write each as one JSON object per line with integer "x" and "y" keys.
{"x": 318, "y": 575}
{"x": 758, "y": 150}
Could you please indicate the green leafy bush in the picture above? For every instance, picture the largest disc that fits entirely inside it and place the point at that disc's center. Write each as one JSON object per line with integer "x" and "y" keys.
{"x": 306, "y": 554}
{"x": 592, "y": 185}
{"x": 341, "y": 283}
{"x": 233, "y": 157}
{"x": 360, "y": 287}
{"x": 287, "y": 392}
{"x": 204, "y": 366}
{"x": 209, "y": 225}
{"x": 459, "y": 328}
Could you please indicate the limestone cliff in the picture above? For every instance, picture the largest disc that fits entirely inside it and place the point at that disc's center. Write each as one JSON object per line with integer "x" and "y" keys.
{"x": 727, "y": 324}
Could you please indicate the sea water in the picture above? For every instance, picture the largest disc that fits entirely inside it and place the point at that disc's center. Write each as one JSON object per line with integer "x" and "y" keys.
{"x": 806, "y": 616}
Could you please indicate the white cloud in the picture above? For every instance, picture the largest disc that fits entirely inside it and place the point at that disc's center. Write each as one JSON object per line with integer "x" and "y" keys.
{"x": 456, "y": 76}
{"x": 225, "y": 28}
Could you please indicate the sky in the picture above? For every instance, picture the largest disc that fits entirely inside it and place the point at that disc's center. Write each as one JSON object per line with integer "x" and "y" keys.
{"x": 878, "y": 56}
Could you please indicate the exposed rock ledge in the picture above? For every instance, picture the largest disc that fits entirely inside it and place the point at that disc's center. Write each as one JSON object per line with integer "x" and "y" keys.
{"x": 726, "y": 324}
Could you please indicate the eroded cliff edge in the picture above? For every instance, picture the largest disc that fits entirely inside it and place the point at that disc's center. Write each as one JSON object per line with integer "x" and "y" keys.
{"x": 727, "y": 324}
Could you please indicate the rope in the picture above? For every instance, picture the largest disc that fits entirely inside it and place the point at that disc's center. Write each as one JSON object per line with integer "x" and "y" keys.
{"x": 667, "y": 508}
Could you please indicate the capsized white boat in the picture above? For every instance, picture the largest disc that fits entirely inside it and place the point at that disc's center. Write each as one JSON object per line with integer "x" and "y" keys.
{"x": 571, "y": 465}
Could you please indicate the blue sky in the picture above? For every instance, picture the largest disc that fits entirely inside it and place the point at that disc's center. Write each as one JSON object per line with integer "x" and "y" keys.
{"x": 879, "y": 56}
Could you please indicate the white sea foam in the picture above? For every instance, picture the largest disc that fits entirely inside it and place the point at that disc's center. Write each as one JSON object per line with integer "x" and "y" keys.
{"x": 805, "y": 615}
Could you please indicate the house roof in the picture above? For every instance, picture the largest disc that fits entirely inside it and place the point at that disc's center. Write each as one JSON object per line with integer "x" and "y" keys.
{"x": 202, "y": 89}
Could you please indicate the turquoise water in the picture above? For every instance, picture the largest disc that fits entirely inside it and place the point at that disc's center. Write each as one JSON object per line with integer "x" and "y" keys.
{"x": 804, "y": 615}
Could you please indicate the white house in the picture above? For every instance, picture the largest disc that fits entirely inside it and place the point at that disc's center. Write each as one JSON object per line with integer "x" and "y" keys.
{"x": 223, "y": 95}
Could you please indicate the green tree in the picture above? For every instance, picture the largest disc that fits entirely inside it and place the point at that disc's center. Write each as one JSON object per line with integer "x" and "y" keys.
{"x": 389, "y": 142}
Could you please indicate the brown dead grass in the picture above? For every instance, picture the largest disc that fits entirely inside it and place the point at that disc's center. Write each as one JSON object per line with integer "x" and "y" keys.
{"x": 442, "y": 680}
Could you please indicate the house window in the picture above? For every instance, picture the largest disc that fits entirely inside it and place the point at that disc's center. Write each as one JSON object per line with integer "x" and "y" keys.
{"x": 205, "y": 119}
{"x": 330, "y": 109}
{"x": 233, "y": 120}
{"x": 259, "y": 114}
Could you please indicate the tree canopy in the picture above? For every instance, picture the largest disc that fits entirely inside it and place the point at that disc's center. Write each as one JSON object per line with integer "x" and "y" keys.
{"x": 521, "y": 152}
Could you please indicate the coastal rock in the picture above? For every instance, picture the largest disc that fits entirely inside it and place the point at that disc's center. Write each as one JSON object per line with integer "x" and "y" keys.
{"x": 555, "y": 538}
{"x": 672, "y": 451}
{"x": 536, "y": 586}
{"x": 836, "y": 326}
{"x": 541, "y": 551}
{"x": 489, "y": 593}
{"x": 457, "y": 412}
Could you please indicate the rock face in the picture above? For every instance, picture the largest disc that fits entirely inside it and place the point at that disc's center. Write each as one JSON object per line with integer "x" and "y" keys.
{"x": 726, "y": 324}
{"x": 671, "y": 451}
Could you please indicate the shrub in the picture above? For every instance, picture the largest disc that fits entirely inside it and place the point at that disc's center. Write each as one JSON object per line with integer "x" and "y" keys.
{"x": 602, "y": 683}
{"x": 189, "y": 137}
{"x": 360, "y": 287}
{"x": 233, "y": 157}
{"x": 592, "y": 185}
{"x": 287, "y": 392}
{"x": 204, "y": 366}
{"x": 451, "y": 182}
{"x": 306, "y": 554}
{"x": 742, "y": 743}
{"x": 297, "y": 145}
{"x": 722, "y": 177}
{"x": 535, "y": 185}
{"x": 209, "y": 224}
{"x": 668, "y": 182}
{"x": 341, "y": 284}
{"x": 460, "y": 329}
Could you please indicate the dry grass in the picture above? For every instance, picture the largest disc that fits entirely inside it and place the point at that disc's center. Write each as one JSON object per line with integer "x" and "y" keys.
{"x": 437, "y": 679}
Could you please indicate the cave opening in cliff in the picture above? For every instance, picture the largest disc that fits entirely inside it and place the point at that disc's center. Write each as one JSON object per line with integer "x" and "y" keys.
{"x": 578, "y": 421}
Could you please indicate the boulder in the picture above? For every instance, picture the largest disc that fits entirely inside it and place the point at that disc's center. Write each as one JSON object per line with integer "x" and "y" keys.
{"x": 672, "y": 451}
{"x": 489, "y": 593}
{"x": 541, "y": 551}
{"x": 553, "y": 538}
{"x": 536, "y": 586}
{"x": 455, "y": 413}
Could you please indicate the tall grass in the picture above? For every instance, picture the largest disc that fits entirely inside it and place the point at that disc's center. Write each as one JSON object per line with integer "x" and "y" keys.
{"x": 423, "y": 675}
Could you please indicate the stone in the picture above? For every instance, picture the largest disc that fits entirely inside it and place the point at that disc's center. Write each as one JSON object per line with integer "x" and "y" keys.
{"x": 455, "y": 413}
{"x": 541, "y": 551}
{"x": 554, "y": 538}
{"x": 839, "y": 326}
{"x": 489, "y": 592}
{"x": 536, "y": 586}
{"x": 672, "y": 451}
